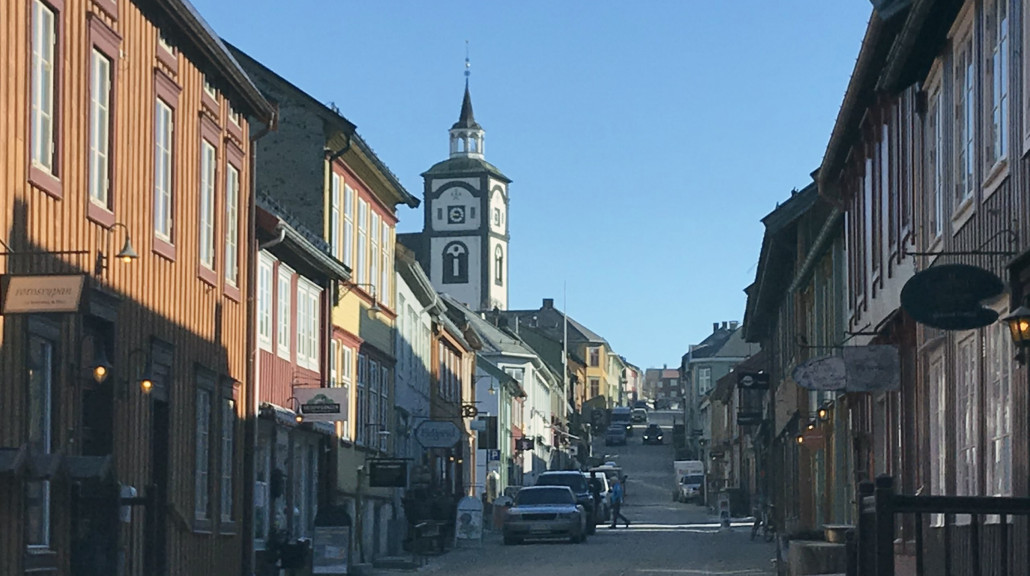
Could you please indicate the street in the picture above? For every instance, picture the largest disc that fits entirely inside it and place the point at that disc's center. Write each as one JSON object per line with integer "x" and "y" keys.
{"x": 664, "y": 537}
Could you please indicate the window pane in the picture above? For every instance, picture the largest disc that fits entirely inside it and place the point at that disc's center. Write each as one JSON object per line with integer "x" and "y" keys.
{"x": 207, "y": 204}
{"x": 99, "y": 144}
{"x": 232, "y": 210}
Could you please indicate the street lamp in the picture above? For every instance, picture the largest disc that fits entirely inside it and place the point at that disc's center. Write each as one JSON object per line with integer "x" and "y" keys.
{"x": 126, "y": 254}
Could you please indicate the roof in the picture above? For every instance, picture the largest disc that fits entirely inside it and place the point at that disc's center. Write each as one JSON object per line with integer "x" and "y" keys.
{"x": 345, "y": 136}
{"x": 553, "y": 326}
{"x": 466, "y": 119}
{"x": 503, "y": 377}
{"x": 203, "y": 38}
{"x": 462, "y": 166}
{"x": 498, "y": 340}
{"x": 304, "y": 243}
{"x": 670, "y": 373}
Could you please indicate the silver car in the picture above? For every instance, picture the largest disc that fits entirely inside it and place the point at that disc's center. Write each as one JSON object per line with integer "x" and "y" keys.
{"x": 545, "y": 512}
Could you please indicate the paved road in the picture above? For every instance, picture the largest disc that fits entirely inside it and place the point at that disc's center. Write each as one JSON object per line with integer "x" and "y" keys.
{"x": 665, "y": 538}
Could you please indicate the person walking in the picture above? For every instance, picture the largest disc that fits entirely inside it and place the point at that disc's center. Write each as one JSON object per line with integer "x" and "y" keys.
{"x": 617, "y": 503}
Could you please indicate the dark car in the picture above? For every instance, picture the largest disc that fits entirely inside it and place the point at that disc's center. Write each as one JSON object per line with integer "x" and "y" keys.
{"x": 545, "y": 512}
{"x": 574, "y": 479}
{"x": 615, "y": 436}
{"x": 653, "y": 434}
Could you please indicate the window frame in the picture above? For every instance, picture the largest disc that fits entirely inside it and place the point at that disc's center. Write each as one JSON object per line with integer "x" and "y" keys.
{"x": 308, "y": 298}
{"x": 232, "y": 231}
{"x": 209, "y": 98}
{"x": 165, "y": 92}
{"x": 108, "y": 44}
{"x": 209, "y": 136}
{"x": 498, "y": 265}
{"x": 167, "y": 51}
{"x": 968, "y": 448}
{"x": 264, "y": 301}
{"x": 965, "y": 100}
{"x": 228, "y": 427}
{"x": 362, "y": 256}
{"x": 334, "y": 216}
{"x": 283, "y": 342}
{"x": 386, "y": 268}
{"x": 46, "y": 178}
{"x": 936, "y": 148}
{"x": 46, "y": 333}
{"x": 203, "y": 454}
{"x": 998, "y": 388}
{"x": 348, "y": 225}
{"x": 997, "y": 153}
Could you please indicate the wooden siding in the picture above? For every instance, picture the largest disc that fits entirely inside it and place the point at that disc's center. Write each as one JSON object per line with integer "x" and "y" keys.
{"x": 160, "y": 299}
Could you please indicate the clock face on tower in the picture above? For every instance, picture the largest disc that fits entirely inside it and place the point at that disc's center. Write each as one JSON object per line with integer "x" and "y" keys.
{"x": 455, "y": 214}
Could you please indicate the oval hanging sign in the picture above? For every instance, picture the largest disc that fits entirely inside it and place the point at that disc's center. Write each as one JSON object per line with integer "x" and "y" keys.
{"x": 949, "y": 296}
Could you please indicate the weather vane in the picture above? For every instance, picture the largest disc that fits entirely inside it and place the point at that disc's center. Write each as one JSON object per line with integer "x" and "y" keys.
{"x": 468, "y": 65}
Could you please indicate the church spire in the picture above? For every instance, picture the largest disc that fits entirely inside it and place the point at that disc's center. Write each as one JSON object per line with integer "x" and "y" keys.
{"x": 466, "y": 133}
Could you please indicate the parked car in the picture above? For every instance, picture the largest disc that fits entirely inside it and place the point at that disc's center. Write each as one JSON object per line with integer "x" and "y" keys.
{"x": 653, "y": 434}
{"x": 578, "y": 483}
{"x": 604, "y": 490}
{"x": 545, "y": 512}
{"x": 615, "y": 436}
{"x": 638, "y": 415}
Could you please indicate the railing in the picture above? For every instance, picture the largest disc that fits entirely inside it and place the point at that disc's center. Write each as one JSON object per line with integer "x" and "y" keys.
{"x": 981, "y": 542}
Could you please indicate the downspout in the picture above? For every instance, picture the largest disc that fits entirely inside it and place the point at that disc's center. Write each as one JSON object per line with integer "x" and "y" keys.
{"x": 251, "y": 406}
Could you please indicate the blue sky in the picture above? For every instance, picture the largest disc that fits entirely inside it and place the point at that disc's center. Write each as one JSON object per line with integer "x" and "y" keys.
{"x": 645, "y": 140}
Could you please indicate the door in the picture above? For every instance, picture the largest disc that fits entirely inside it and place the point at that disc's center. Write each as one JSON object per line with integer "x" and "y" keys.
{"x": 156, "y": 556}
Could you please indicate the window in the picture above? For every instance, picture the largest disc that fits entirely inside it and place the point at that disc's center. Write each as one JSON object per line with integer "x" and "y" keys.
{"x": 44, "y": 88}
{"x": 595, "y": 387}
{"x": 209, "y": 88}
{"x": 497, "y": 216}
{"x": 234, "y": 116}
{"x": 386, "y": 246}
{"x": 100, "y": 130}
{"x": 201, "y": 503}
{"x": 284, "y": 298}
{"x": 373, "y": 404}
{"x": 373, "y": 255}
{"x": 935, "y": 156}
{"x": 999, "y": 411}
{"x": 334, "y": 369}
{"x": 228, "y": 452}
{"x": 362, "y": 413}
{"x": 384, "y": 405}
{"x": 348, "y": 225}
{"x": 262, "y": 494}
{"x": 163, "y": 170}
{"x": 347, "y": 366}
{"x": 996, "y": 81}
{"x": 704, "y": 380}
{"x": 498, "y": 266}
{"x": 595, "y": 357}
{"x": 967, "y": 414}
{"x": 362, "y": 240}
{"x": 232, "y": 224}
{"x": 264, "y": 301}
{"x": 334, "y": 217}
{"x": 308, "y": 295}
{"x": 208, "y": 165}
{"x": 40, "y": 418}
{"x": 964, "y": 78}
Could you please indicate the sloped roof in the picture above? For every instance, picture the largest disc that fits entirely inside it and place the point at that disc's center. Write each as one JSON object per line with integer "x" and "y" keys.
{"x": 463, "y": 166}
{"x": 466, "y": 119}
{"x": 493, "y": 337}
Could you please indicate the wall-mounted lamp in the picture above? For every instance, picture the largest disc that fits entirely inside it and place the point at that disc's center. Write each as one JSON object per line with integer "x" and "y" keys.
{"x": 1019, "y": 328}
{"x": 491, "y": 389}
{"x": 101, "y": 366}
{"x": 146, "y": 379}
{"x": 823, "y": 413}
{"x": 799, "y": 439}
{"x": 374, "y": 309}
{"x": 295, "y": 406}
{"x": 811, "y": 425}
{"x": 126, "y": 254}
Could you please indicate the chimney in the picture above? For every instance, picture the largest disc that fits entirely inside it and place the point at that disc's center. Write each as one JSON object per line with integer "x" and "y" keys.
{"x": 734, "y": 324}
{"x": 548, "y": 303}
{"x": 715, "y": 326}
{"x": 724, "y": 325}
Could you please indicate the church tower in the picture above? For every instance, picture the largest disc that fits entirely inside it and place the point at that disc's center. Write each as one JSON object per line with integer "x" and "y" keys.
{"x": 464, "y": 244}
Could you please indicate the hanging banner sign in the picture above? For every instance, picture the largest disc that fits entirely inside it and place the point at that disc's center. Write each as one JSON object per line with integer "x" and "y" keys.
{"x": 437, "y": 434}
{"x": 949, "y": 296}
{"x": 322, "y": 404}
{"x": 753, "y": 380}
{"x": 41, "y": 294}
{"x": 856, "y": 369}
{"x": 387, "y": 473}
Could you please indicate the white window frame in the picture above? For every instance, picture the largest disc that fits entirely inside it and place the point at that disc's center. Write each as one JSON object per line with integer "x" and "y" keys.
{"x": 44, "y": 75}
{"x": 498, "y": 265}
{"x": 334, "y": 216}
{"x": 202, "y": 453}
{"x": 964, "y": 98}
{"x": 264, "y": 301}
{"x": 45, "y": 428}
{"x": 284, "y": 301}
{"x": 164, "y": 128}
{"x": 308, "y": 295}
{"x": 361, "y": 410}
{"x": 998, "y": 408}
{"x": 704, "y": 379}
{"x": 996, "y": 63}
{"x": 936, "y": 151}
{"x": 967, "y": 415}
{"x": 384, "y": 405}
{"x": 262, "y": 494}
{"x": 362, "y": 241}
{"x": 348, "y": 225}
{"x": 227, "y": 450}
{"x": 386, "y": 268}
{"x": 373, "y": 253}
{"x": 209, "y": 88}
{"x": 347, "y": 366}
{"x": 232, "y": 224}
{"x": 208, "y": 182}
{"x": 101, "y": 73}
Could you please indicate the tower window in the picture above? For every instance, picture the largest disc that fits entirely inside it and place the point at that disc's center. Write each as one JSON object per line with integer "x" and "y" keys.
{"x": 455, "y": 263}
{"x": 472, "y": 212}
{"x": 498, "y": 266}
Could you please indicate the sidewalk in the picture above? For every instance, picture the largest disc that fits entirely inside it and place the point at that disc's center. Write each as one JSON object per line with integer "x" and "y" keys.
{"x": 467, "y": 553}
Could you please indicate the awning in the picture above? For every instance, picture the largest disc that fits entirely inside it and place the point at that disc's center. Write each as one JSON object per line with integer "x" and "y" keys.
{"x": 275, "y": 412}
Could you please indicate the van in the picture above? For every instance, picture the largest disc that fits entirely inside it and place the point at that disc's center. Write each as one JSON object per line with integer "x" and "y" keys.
{"x": 622, "y": 416}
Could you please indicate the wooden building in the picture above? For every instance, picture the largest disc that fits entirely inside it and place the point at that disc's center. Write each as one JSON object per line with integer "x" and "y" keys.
{"x": 120, "y": 449}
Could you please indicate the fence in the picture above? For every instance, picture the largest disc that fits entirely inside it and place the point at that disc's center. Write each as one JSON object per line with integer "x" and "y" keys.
{"x": 938, "y": 535}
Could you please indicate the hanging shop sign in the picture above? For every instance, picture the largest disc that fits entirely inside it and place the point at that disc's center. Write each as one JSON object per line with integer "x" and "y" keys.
{"x": 437, "y": 434}
{"x": 748, "y": 418}
{"x": 387, "y": 473}
{"x": 855, "y": 369}
{"x": 322, "y": 404}
{"x": 950, "y": 296}
{"x": 753, "y": 380}
{"x": 41, "y": 294}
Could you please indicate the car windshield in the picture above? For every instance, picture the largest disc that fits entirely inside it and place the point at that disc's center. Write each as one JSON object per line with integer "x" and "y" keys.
{"x": 692, "y": 479}
{"x": 575, "y": 481}
{"x": 538, "y": 496}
